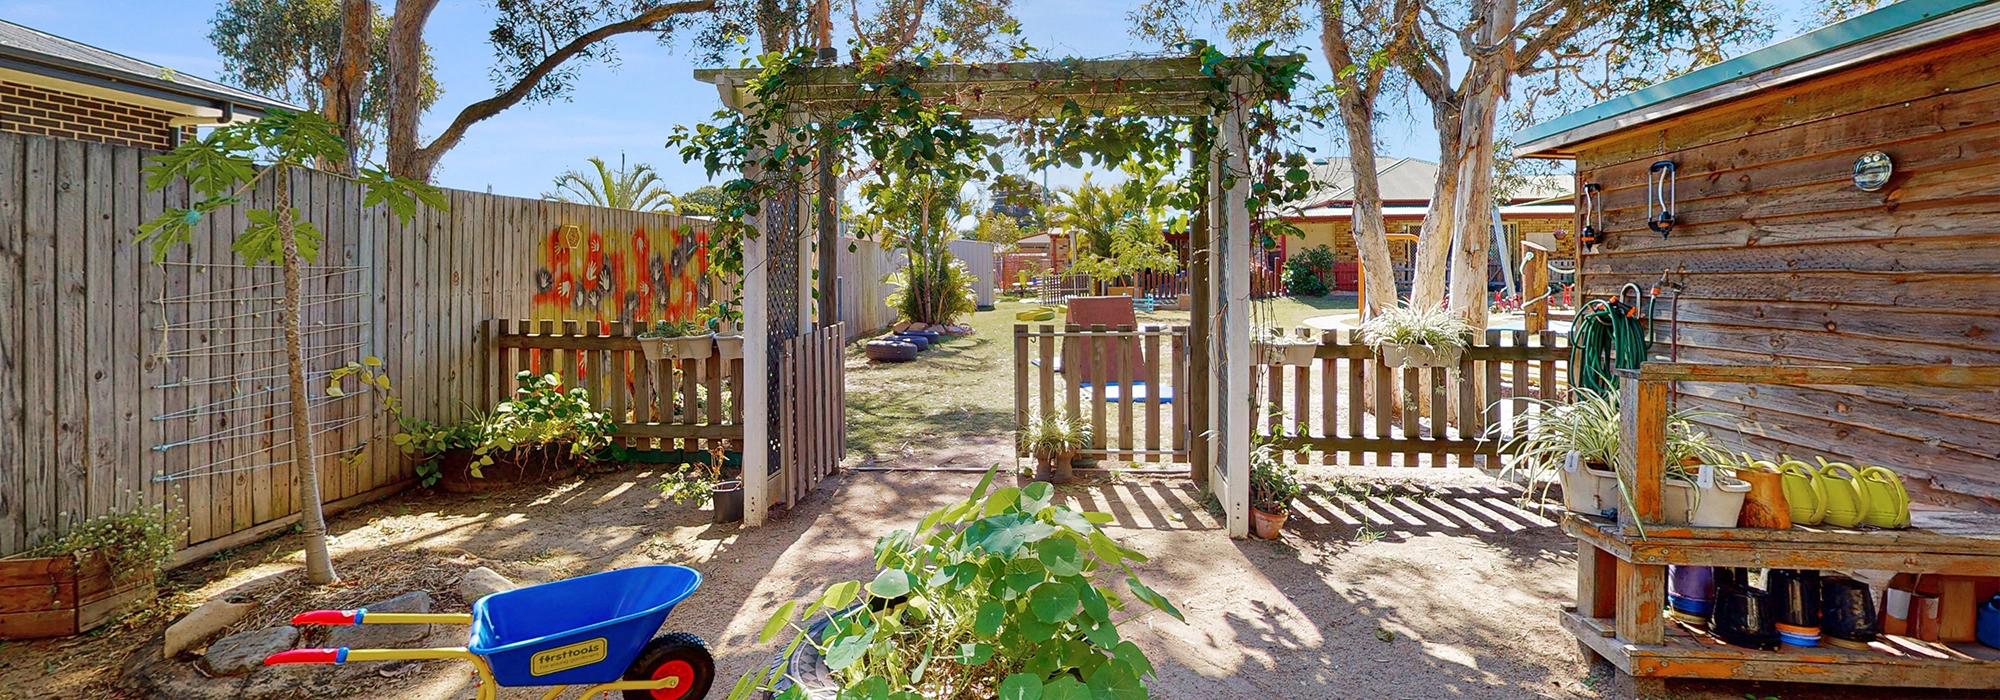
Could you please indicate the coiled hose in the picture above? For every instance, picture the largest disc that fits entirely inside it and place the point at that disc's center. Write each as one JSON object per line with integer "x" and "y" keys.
{"x": 1606, "y": 336}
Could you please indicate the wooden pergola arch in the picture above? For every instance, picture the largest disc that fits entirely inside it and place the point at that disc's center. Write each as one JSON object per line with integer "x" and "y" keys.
{"x": 775, "y": 282}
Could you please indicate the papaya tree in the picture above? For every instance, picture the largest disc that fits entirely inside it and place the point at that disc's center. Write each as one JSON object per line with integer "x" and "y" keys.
{"x": 221, "y": 169}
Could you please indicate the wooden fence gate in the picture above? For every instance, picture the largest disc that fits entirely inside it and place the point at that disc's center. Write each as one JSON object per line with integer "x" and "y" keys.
{"x": 1124, "y": 381}
{"x": 1428, "y": 417}
{"x": 812, "y": 416}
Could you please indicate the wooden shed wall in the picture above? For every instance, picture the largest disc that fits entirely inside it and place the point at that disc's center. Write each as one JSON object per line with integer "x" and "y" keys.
{"x": 107, "y": 359}
{"x": 1785, "y": 261}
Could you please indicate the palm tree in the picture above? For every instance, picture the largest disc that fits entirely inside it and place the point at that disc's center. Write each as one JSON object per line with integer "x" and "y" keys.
{"x": 636, "y": 187}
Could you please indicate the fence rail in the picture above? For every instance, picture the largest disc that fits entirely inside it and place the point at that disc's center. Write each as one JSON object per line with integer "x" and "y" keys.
{"x": 1124, "y": 381}
{"x": 666, "y": 405}
{"x": 1426, "y": 417}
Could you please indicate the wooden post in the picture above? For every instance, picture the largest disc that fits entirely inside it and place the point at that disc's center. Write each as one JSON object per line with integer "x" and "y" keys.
{"x": 1535, "y": 287}
{"x": 1643, "y": 409}
{"x": 829, "y": 236}
{"x": 1198, "y": 398}
{"x": 756, "y": 366}
{"x": 1237, "y": 247}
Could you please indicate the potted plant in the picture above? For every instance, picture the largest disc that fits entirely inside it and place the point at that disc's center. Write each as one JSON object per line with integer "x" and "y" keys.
{"x": 1413, "y": 337}
{"x": 676, "y": 340}
{"x": 86, "y": 577}
{"x": 1054, "y": 439}
{"x": 1007, "y": 594}
{"x": 1580, "y": 440}
{"x": 1701, "y": 488}
{"x": 543, "y": 433}
{"x": 726, "y": 322}
{"x": 1273, "y": 486}
{"x": 703, "y": 482}
{"x": 1274, "y": 347}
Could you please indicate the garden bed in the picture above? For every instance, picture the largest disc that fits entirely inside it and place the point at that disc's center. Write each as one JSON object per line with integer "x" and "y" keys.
{"x": 64, "y": 595}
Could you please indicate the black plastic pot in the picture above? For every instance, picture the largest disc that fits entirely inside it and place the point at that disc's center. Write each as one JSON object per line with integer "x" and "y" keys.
{"x": 1797, "y": 593}
{"x": 728, "y": 502}
{"x": 1847, "y": 610}
{"x": 1745, "y": 617}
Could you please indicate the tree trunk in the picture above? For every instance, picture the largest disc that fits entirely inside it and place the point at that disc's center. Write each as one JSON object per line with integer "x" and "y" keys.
{"x": 1371, "y": 236}
{"x": 406, "y": 65}
{"x": 1433, "y": 263}
{"x": 1486, "y": 84}
{"x": 319, "y": 562}
{"x": 343, "y": 106}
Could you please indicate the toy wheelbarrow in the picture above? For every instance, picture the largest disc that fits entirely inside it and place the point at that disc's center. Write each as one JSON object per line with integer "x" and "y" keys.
{"x": 594, "y": 630}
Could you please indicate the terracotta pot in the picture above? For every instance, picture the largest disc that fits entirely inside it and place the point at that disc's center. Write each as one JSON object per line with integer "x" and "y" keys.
{"x": 1267, "y": 525}
{"x": 1765, "y": 506}
{"x": 1063, "y": 469}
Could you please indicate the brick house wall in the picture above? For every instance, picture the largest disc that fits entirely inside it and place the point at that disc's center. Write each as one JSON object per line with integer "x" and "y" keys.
{"x": 28, "y": 109}
{"x": 1336, "y": 233}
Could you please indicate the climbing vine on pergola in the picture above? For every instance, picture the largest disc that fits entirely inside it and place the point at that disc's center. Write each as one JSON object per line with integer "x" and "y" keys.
{"x": 786, "y": 115}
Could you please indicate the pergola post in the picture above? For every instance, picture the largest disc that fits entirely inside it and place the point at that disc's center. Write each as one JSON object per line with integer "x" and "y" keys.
{"x": 829, "y": 235}
{"x": 1237, "y": 246}
{"x": 754, "y": 393}
{"x": 1200, "y": 401}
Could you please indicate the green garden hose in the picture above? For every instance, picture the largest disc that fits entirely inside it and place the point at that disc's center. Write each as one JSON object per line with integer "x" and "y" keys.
{"x": 1606, "y": 336}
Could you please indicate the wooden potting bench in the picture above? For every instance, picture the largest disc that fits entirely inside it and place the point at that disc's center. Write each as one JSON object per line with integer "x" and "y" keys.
{"x": 1621, "y": 571}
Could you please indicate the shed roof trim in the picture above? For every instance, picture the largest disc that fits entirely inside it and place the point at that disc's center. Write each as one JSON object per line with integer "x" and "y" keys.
{"x": 1695, "y": 88}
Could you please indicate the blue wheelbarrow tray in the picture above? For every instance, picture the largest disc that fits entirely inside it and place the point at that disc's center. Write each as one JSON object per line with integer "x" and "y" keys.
{"x": 583, "y": 630}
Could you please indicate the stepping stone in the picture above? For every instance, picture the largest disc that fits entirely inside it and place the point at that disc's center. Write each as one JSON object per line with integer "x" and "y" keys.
{"x": 244, "y": 652}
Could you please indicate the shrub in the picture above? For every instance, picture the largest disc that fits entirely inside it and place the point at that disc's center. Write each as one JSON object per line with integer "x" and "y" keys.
{"x": 135, "y": 541}
{"x": 1309, "y": 272}
{"x": 937, "y": 292}
{"x": 999, "y": 595}
{"x": 540, "y": 415}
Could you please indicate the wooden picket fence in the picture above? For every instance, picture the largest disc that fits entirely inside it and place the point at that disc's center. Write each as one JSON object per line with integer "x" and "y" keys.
{"x": 1428, "y": 416}
{"x": 666, "y": 405}
{"x": 1108, "y": 376}
{"x": 811, "y": 404}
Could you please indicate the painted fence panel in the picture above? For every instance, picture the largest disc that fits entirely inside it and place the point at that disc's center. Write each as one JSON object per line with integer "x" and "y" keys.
{"x": 125, "y": 383}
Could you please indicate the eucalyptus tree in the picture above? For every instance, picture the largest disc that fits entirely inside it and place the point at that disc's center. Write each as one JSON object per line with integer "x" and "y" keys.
{"x": 635, "y": 186}
{"x": 540, "y": 48}
{"x": 221, "y": 169}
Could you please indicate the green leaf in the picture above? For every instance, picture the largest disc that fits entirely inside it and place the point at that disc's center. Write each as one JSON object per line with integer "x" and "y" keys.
{"x": 844, "y": 650}
{"x": 777, "y": 622}
{"x": 974, "y": 653}
{"x": 1134, "y": 658}
{"x": 1116, "y": 682}
{"x": 986, "y": 622}
{"x": 891, "y": 583}
{"x": 1099, "y": 518}
{"x": 1154, "y": 599}
{"x": 1064, "y": 687}
{"x": 838, "y": 595}
{"x": 1103, "y": 634}
{"x": 1060, "y": 555}
{"x": 1002, "y": 499}
{"x": 1020, "y": 686}
{"x": 870, "y": 688}
{"x": 1053, "y": 602}
{"x": 1105, "y": 549}
{"x": 1094, "y": 604}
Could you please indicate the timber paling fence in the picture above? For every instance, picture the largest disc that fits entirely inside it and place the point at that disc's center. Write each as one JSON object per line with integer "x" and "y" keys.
{"x": 1130, "y": 384}
{"x": 126, "y": 384}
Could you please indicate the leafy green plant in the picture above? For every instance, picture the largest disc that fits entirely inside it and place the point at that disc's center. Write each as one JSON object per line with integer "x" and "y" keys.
{"x": 1273, "y": 483}
{"x": 938, "y": 293}
{"x": 694, "y": 481}
{"x": 1436, "y": 327}
{"x": 135, "y": 541}
{"x": 541, "y": 415}
{"x": 674, "y": 329}
{"x": 1307, "y": 272}
{"x": 1589, "y": 425}
{"x": 1005, "y": 594}
{"x": 1052, "y": 436}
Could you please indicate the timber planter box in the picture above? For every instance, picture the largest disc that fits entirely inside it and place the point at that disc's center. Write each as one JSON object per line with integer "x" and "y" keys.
{"x": 65, "y": 595}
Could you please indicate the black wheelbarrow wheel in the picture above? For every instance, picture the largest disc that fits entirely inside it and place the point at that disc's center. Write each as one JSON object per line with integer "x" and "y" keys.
{"x": 677, "y": 655}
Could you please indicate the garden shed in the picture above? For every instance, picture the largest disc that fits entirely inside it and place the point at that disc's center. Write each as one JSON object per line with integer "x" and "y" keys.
{"x": 1827, "y": 284}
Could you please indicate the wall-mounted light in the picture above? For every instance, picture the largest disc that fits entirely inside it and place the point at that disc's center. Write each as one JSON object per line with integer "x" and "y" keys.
{"x": 1872, "y": 171}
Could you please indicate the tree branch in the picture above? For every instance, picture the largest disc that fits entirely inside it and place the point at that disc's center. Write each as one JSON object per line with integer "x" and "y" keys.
{"x": 484, "y": 109}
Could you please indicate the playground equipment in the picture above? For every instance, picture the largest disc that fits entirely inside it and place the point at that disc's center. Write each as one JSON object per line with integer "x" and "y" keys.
{"x": 594, "y": 630}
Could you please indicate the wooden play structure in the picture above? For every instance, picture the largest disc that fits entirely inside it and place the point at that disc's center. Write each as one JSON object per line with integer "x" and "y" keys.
{"x": 1820, "y": 223}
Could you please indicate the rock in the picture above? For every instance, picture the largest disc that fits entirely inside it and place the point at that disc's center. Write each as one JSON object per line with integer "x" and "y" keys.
{"x": 204, "y": 623}
{"x": 385, "y": 636}
{"x": 919, "y": 325}
{"x": 481, "y": 582}
{"x": 244, "y": 652}
{"x": 900, "y": 327}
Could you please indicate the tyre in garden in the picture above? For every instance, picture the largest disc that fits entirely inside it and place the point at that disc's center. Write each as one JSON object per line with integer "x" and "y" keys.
{"x": 891, "y": 351}
{"x": 916, "y": 339}
{"x": 677, "y": 654}
{"x": 807, "y": 668}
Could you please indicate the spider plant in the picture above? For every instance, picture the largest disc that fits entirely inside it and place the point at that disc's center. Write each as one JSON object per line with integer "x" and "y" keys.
{"x": 1589, "y": 425}
{"x": 1436, "y": 327}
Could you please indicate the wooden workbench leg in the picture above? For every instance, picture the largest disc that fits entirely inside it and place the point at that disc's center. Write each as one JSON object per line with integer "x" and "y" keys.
{"x": 1596, "y": 581}
{"x": 1641, "y": 590}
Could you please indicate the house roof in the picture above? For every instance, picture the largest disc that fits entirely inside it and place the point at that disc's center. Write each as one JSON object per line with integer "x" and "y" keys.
{"x": 37, "y": 57}
{"x": 1343, "y": 211}
{"x": 1407, "y": 180}
{"x": 1894, "y": 28}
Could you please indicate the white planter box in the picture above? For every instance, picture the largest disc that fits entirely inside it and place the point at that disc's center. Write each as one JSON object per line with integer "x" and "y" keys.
{"x": 1718, "y": 505}
{"x": 690, "y": 347}
{"x": 1413, "y": 356}
{"x": 1287, "y": 352}
{"x": 1590, "y": 490}
{"x": 729, "y": 347}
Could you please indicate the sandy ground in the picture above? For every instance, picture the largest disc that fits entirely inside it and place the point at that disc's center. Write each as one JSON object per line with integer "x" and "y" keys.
{"x": 1418, "y": 584}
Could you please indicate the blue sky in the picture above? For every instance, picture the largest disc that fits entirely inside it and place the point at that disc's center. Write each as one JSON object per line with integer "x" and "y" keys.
{"x": 630, "y": 108}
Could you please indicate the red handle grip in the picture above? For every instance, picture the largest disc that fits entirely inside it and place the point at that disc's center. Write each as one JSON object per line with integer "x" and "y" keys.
{"x": 327, "y": 617}
{"x": 305, "y": 656}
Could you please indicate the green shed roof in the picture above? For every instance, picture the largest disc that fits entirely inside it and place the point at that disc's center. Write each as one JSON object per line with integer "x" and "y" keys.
{"x": 1889, "y": 19}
